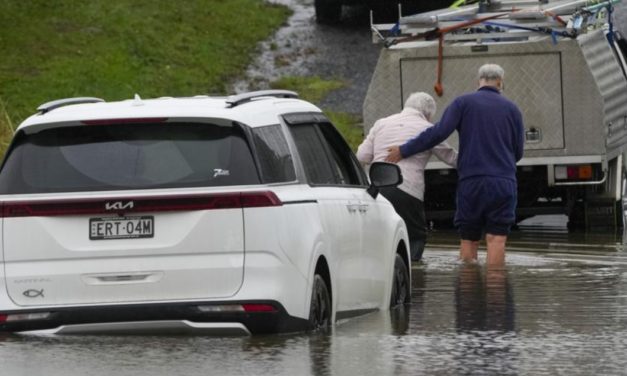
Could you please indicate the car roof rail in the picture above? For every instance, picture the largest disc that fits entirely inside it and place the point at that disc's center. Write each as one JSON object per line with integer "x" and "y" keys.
{"x": 49, "y": 106}
{"x": 236, "y": 100}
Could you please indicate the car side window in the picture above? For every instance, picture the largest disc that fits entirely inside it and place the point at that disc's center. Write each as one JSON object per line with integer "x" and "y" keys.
{"x": 313, "y": 155}
{"x": 273, "y": 154}
{"x": 326, "y": 157}
{"x": 344, "y": 164}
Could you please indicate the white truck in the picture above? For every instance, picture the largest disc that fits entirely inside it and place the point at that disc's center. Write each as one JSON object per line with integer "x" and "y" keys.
{"x": 565, "y": 68}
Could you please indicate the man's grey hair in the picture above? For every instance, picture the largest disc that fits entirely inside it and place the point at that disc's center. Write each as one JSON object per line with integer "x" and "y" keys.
{"x": 422, "y": 102}
{"x": 491, "y": 72}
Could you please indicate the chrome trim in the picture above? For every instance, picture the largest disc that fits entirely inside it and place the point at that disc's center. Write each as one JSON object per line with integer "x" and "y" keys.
{"x": 148, "y": 327}
{"x": 584, "y": 182}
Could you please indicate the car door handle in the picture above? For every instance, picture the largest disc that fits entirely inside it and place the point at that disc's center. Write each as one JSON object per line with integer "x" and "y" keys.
{"x": 352, "y": 207}
{"x": 125, "y": 278}
{"x": 363, "y": 208}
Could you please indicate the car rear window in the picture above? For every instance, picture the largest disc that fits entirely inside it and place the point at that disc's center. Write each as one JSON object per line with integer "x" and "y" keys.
{"x": 128, "y": 156}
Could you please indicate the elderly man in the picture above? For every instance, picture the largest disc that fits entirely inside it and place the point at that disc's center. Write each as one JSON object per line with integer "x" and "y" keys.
{"x": 491, "y": 140}
{"x": 408, "y": 198}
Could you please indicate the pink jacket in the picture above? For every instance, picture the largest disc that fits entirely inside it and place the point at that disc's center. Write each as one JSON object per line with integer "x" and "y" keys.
{"x": 395, "y": 130}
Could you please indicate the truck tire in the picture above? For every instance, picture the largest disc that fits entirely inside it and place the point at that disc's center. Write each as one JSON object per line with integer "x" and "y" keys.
{"x": 328, "y": 11}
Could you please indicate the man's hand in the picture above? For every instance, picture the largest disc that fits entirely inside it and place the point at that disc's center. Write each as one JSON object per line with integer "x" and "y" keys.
{"x": 394, "y": 155}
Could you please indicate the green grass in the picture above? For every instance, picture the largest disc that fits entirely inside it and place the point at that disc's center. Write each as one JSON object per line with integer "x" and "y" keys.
{"x": 6, "y": 128}
{"x": 314, "y": 89}
{"x": 114, "y": 49}
{"x": 349, "y": 125}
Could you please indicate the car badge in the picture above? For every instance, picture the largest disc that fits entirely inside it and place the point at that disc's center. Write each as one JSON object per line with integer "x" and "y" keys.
{"x": 32, "y": 293}
{"x": 119, "y": 205}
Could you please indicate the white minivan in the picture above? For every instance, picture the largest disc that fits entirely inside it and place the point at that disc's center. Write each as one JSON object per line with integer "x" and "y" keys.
{"x": 242, "y": 214}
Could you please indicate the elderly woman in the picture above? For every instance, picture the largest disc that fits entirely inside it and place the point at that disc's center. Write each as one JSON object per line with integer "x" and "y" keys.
{"x": 408, "y": 197}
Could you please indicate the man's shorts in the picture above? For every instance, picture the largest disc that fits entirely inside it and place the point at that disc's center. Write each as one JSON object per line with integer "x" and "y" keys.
{"x": 485, "y": 204}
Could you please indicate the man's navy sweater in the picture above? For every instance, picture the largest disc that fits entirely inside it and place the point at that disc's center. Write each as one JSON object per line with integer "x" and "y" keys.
{"x": 491, "y": 134}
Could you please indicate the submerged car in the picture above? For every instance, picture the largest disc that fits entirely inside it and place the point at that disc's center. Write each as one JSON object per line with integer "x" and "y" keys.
{"x": 237, "y": 215}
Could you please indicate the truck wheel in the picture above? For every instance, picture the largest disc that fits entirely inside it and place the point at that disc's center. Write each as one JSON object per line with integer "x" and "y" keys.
{"x": 401, "y": 292}
{"x": 577, "y": 217}
{"x": 320, "y": 307}
{"x": 328, "y": 11}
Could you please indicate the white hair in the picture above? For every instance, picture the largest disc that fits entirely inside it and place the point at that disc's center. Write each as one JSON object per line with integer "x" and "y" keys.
{"x": 422, "y": 102}
{"x": 491, "y": 72}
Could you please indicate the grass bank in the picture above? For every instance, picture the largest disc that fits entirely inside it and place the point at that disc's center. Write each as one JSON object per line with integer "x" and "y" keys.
{"x": 314, "y": 89}
{"x": 111, "y": 50}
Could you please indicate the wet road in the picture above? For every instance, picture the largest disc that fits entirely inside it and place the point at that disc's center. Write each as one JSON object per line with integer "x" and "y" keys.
{"x": 304, "y": 48}
{"x": 559, "y": 308}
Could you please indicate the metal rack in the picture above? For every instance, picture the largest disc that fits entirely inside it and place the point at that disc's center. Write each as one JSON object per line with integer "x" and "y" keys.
{"x": 498, "y": 20}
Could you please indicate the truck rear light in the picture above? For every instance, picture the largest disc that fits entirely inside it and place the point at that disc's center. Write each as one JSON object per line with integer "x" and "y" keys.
{"x": 574, "y": 172}
{"x": 3, "y": 318}
{"x": 234, "y": 200}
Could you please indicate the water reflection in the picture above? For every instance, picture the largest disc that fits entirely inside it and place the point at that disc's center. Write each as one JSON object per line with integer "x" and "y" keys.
{"x": 484, "y": 316}
{"x": 483, "y": 302}
{"x": 559, "y": 310}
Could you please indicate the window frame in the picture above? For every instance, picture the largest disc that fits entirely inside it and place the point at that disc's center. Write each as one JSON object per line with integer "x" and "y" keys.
{"x": 316, "y": 120}
{"x": 249, "y": 133}
{"x": 241, "y": 128}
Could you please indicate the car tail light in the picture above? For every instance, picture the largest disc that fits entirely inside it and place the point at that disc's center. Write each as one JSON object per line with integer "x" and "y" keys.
{"x": 233, "y": 200}
{"x": 238, "y": 308}
{"x": 124, "y": 121}
{"x": 259, "y": 199}
{"x": 574, "y": 172}
{"x": 4, "y": 318}
{"x": 259, "y": 308}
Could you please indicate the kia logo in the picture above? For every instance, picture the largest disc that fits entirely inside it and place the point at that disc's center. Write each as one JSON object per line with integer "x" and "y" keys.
{"x": 118, "y": 205}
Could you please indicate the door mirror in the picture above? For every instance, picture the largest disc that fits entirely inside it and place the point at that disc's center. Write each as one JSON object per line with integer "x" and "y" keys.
{"x": 383, "y": 174}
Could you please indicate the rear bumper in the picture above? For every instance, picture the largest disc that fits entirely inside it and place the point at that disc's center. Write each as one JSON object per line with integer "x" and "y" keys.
{"x": 159, "y": 318}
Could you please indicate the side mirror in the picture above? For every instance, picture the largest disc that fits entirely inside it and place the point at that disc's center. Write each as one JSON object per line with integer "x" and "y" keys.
{"x": 382, "y": 175}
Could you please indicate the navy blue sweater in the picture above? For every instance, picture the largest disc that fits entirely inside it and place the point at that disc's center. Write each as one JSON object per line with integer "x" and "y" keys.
{"x": 491, "y": 134}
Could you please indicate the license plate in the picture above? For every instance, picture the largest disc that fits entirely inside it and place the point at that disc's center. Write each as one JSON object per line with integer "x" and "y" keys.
{"x": 121, "y": 228}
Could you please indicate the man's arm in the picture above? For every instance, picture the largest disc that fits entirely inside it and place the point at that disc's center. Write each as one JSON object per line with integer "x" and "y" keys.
{"x": 430, "y": 137}
{"x": 519, "y": 147}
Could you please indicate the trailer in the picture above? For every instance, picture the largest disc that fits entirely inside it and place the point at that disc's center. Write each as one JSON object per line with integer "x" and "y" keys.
{"x": 564, "y": 67}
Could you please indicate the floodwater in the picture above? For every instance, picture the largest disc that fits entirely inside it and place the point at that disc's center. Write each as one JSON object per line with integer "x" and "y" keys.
{"x": 560, "y": 307}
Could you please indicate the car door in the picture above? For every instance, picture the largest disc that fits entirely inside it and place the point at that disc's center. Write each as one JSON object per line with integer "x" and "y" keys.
{"x": 339, "y": 212}
{"x": 373, "y": 218}
{"x": 371, "y": 255}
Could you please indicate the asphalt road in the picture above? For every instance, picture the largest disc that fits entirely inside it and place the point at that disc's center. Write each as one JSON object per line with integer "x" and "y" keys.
{"x": 304, "y": 48}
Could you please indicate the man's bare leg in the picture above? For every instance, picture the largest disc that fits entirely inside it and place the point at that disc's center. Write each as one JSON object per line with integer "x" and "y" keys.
{"x": 496, "y": 251}
{"x": 468, "y": 251}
